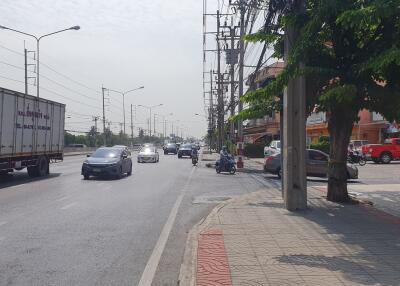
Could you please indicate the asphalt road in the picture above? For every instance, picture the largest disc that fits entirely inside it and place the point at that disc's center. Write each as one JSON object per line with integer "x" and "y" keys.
{"x": 63, "y": 230}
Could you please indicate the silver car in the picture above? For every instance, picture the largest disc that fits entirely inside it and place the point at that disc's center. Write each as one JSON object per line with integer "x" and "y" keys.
{"x": 147, "y": 155}
{"x": 317, "y": 165}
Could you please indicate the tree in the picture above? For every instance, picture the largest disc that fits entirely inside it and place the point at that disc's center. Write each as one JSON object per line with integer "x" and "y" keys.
{"x": 92, "y": 137}
{"x": 349, "y": 52}
{"x": 141, "y": 133}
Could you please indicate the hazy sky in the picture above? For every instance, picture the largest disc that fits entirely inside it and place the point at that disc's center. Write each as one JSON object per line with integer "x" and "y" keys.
{"x": 121, "y": 44}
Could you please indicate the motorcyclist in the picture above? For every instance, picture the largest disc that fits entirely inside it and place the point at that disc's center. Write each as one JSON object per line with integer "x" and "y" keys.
{"x": 223, "y": 156}
{"x": 194, "y": 153}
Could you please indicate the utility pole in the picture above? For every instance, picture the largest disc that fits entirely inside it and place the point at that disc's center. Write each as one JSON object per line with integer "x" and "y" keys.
{"x": 104, "y": 118}
{"x": 221, "y": 111}
{"x": 154, "y": 124}
{"x": 294, "y": 131}
{"x": 132, "y": 124}
{"x": 26, "y": 70}
{"x": 95, "y": 118}
{"x": 211, "y": 112}
{"x": 232, "y": 74}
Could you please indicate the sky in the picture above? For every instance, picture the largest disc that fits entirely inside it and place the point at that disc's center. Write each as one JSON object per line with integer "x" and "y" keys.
{"x": 121, "y": 45}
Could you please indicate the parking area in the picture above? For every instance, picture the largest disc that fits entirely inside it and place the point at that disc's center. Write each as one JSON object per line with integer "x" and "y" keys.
{"x": 377, "y": 183}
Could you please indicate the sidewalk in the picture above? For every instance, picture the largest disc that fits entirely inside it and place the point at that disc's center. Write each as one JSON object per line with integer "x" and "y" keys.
{"x": 253, "y": 240}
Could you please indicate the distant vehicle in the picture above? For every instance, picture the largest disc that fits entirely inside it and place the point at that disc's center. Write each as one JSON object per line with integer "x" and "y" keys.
{"x": 170, "y": 148}
{"x": 148, "y": 154}
{"x": 317, "y": 165}
{"x": 383, "y": 153}
{"x": 357, "y": 144}
{"x": 123, "y": 147}
{"x": 148, "y": 145}
{"x": 30, "y": 136}
{"x": 273, "y": 148}
{"x": 136, "y": 147}
{"x": 107, "y": 161}
{"x": 185, "y": 151}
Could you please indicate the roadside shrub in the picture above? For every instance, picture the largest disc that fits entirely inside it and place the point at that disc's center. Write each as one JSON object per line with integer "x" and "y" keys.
{"x": 322, "y": 146}
{"x": 324, "y": 138}
{"x": 254, "y": 150}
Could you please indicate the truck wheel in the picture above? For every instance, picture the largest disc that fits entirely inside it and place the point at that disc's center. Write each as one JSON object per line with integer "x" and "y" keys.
{"x": 386, "y": 158}
{"x": 42, "y": 166}
{"x": 33, "y": 171}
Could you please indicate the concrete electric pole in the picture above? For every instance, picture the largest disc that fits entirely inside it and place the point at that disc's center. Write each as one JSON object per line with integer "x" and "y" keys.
{"x": 294, "y": 132}
{"x": 240, "y": 143}
{"x": 104, "y": 118}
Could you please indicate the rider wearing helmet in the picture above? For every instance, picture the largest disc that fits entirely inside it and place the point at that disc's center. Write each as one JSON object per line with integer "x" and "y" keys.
{"x": 194, "y": 151}
{"x": 223, "y": 156}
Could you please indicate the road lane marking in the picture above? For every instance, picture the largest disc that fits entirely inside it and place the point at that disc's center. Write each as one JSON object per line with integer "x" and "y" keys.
{"x": 154, "y": 260}
{"x": 2, "y": 223}
{"x": 68, "y": 206}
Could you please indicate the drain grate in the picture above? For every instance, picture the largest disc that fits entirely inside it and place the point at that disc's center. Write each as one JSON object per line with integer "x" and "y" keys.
{"x": 210, "y": 199}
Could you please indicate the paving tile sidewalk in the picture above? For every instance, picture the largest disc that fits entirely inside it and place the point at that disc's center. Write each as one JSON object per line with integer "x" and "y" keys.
{"x": 252, "y": 240}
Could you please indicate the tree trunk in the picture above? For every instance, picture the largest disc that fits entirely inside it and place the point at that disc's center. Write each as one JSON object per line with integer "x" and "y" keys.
{"x": 340, "y": 126}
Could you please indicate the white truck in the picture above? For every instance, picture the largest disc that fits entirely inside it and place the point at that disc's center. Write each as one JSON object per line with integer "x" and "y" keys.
{"x": 31, "y": 132}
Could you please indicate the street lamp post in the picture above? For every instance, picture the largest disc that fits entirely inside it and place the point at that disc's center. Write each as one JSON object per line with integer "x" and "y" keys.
{"x": 37, "y": 47}
{"x": 150, "y": 108}
{"x": 123, "y": 93}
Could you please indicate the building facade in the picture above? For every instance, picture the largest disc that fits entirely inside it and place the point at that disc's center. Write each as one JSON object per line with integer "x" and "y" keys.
{"x": 371, "y": 126}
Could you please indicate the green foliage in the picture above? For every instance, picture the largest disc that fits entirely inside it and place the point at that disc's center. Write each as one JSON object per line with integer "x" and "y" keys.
{"x": 322, "y": 146}
{"x": 348, "y": 50}
{"x": 254, "y": 150}
{"x": 322, "y": 139}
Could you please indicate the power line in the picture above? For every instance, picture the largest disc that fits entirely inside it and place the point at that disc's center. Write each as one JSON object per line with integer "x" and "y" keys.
{"x": 53, "y": 92}
{"x": 53, "y": 81}
{"x": 53, "y": 70}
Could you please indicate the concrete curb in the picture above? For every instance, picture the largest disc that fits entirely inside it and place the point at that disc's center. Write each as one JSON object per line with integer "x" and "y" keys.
{"x": 188, "y": 270}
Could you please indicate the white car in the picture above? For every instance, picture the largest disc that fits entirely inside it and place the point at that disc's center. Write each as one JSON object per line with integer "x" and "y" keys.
{"x": 273, "y": 148}
{"x": 148, "y": 155}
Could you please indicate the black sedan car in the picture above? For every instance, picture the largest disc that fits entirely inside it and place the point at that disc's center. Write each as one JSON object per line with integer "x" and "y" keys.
{"x": 106, "y": 161}
{"x": 185, "y": 150}
{"x": 170, "y": 148}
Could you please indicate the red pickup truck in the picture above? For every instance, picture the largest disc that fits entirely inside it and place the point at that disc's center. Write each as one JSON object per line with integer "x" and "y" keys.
{"x": 383, "y": 153}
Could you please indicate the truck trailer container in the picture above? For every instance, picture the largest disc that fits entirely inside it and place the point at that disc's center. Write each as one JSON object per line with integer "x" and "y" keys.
{"x": 31, "y": 132}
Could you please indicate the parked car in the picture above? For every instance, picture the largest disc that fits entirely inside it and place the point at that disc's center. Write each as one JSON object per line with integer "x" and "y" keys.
{"x": 273, "y": 148}
{"x": 383, "y": 153}
{"x": 170, "y": 148}
{"x": 317, "y": 165}
{"x": 107, "y": 161}
{"x": 148, "y": 154}
{"x": 185, "y": 150}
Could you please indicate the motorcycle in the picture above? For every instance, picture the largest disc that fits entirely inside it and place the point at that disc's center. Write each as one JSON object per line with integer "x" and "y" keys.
{"x": 356, "y": 158}
{"x": 229, "y": 166}
{"x": 195, "y": 160}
